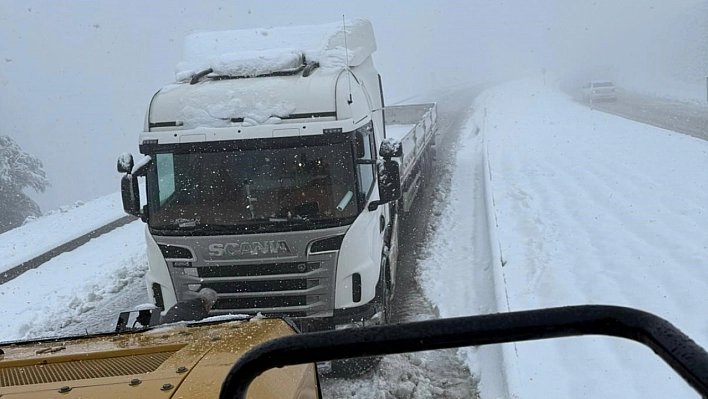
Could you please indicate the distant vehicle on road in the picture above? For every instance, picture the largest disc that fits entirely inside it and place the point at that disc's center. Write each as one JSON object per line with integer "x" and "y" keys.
{"x": 599, "y": 90}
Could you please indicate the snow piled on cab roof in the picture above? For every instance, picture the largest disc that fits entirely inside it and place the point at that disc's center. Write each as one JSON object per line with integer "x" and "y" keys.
{"x": 253, "y": 52}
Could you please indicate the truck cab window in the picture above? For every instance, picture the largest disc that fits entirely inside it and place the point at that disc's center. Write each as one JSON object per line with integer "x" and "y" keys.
{"x": 166, "y": 172}
{"x": 366, "y": 148}
{"x": 276, "y": 187}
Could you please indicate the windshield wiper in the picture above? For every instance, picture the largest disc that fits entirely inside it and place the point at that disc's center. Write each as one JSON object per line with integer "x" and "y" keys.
{"x": 305, "y": 68}
{"x": 197, "y": 77}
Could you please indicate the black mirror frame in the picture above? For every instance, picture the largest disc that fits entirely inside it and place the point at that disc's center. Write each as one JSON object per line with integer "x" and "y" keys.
{"x": 389, "y": 183}
{"x": 130, "y": 191}
{"x": 130, "y": 194}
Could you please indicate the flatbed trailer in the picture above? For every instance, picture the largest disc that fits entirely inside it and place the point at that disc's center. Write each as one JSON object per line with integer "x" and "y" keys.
{"x": 415, "y": 127}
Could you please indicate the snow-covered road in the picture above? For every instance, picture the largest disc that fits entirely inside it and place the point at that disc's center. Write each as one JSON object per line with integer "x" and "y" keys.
{"x": 686, "y": 118}
{"x": 593, "y": 208}
{"x": 587, "y": 208}
{"x": 79, "y": 291}
{"x": 22, "y": 244}
{"x": 578, "y": 206}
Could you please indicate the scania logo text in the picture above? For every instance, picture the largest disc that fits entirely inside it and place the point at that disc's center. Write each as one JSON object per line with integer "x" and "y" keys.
{"x": 248, "y": 248}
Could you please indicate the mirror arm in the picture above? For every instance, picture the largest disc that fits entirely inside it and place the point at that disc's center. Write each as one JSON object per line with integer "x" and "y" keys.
{"x": 144, "y": 214}
{"x": 366, "y": 162}
{"x": 374, "y": 205}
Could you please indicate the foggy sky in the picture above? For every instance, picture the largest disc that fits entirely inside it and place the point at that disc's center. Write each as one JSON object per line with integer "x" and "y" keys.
{"x": 76, "y": 76}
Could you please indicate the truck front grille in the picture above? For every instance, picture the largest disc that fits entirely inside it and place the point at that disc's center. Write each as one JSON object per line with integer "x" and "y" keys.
{"x": 254, "y": 270}
{"x": 259, "y": 286}
{"x": 260, "y": 303}
{"x": 294, "y": 289}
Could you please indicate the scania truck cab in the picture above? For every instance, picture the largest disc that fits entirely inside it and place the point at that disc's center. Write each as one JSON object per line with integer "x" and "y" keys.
{"x": 270, "y": 179}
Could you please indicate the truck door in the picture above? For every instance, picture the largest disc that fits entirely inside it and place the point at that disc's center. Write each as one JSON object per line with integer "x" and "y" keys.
{"x": 367, "y": 175}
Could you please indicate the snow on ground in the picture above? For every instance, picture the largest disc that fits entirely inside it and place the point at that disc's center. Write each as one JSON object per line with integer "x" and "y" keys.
{"x": 586, "y": 208}
{"x": 50, "y": 300}
{"x": 664, "y": 87}
{"x": 45, "y": 233}
{"x": 455, "y": 271}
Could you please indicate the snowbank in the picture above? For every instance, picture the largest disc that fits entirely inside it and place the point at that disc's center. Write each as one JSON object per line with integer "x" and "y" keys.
{"x": 87, "y": 290}
{"x": 592, "y": 208}
{"x": 554, "y": 204}
{"x": 457, "y": 272}
{"x": 59, "y": 227}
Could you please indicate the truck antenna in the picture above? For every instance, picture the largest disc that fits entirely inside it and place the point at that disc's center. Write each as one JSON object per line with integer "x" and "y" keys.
{"x": 346, "y": 51}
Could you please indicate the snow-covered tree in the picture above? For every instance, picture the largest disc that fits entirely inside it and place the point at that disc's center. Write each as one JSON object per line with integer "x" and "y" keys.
{"x": 18, "y": 170}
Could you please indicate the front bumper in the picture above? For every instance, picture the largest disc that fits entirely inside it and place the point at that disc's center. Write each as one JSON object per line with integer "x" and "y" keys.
{"x": 361, "y": 316}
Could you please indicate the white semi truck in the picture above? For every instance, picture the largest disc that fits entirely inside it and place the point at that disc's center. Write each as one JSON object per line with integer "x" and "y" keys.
{"x": 275, "y": 176}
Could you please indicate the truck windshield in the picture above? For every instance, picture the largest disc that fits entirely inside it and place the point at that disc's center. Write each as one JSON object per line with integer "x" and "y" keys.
{"x": 257, "y": 189}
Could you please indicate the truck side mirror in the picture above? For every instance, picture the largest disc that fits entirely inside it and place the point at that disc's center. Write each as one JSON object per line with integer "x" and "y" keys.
{"x": 391, "y": 148}
{"x": 130, "y": 193}
{"x": 389, "y": 183}
{"x": 125, "y": 163}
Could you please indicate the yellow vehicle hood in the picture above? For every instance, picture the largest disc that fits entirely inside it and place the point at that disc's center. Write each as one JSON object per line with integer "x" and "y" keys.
{"x": 177, "y": 361}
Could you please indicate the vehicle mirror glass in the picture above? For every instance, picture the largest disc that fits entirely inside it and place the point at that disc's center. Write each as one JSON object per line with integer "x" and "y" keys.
{"x": 389, "y": 181}
{"x": 130, "y": 193}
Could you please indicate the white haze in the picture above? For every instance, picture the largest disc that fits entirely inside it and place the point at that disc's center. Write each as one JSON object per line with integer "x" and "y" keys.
{"x": 76, "y": 76}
